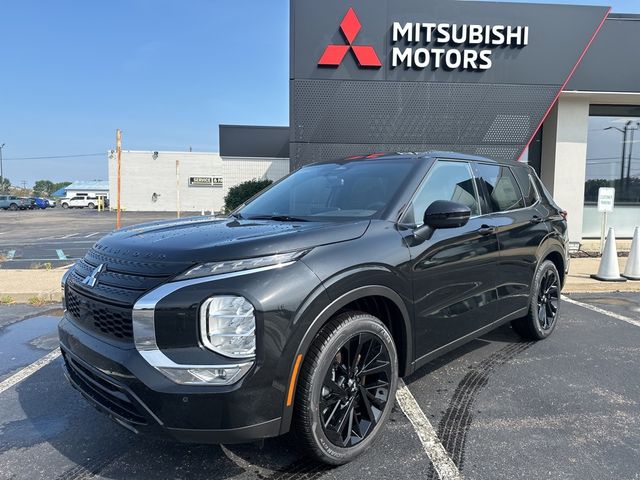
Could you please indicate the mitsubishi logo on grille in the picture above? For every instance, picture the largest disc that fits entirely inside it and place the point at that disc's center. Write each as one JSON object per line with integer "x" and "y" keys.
{"x": 365, "y": 54}
{"x": 92, "y": 279}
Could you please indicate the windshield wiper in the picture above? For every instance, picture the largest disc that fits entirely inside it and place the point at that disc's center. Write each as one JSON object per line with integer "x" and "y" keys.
{"x": 279, "y": 218}
{"x": 237, "y": 216}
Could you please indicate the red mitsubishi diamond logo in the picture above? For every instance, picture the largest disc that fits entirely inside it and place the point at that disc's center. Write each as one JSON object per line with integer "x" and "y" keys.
{"x": 365, "y": 54}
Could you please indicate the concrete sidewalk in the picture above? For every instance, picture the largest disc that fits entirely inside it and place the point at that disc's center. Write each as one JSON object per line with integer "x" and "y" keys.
{"x": 39, "y": 286}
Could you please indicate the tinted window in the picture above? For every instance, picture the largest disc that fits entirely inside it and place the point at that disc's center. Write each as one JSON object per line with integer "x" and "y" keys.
{"x": 501, "y": 186}
{"x": 526, "y": 185}
{"x": 446, "y": 180}
{"x": 358, "y": 189}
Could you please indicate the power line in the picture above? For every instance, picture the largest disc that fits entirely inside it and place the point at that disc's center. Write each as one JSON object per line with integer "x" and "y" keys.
{"x": 59, "y": 156}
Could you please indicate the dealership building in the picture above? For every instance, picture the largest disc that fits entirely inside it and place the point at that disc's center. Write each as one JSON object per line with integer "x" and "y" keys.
{"x": 556, "y": 86}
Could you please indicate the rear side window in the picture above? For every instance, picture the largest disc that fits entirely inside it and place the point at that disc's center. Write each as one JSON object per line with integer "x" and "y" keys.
{"x": 446, "y": 180}
{"x": 526, "y": 185}
{"x": 501, "y": 187}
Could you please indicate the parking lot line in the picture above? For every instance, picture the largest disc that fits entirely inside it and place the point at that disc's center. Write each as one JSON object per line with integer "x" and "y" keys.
{"x": 69, "y": 235}
{"x": 442, "y": 462}
{"x": 29, "y": 370}
{"x": 11, "y": 254}
{"x": 61, "y": 255}
{"x": 91, "y": 234}
{"x": 617, "y": 316}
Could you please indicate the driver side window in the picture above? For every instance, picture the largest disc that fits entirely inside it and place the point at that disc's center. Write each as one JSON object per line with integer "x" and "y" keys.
{"x": 446, "y": 180}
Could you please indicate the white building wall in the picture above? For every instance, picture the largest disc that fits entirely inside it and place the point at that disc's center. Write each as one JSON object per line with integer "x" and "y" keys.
{"x": 142, "y": 176}
{"x": 564, "y": 158}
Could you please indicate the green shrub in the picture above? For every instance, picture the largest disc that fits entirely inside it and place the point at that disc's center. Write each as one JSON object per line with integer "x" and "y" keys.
{"x": 242, "y": 192}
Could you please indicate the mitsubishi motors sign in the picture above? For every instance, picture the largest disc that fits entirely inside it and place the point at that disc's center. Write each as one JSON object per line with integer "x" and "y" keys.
{"x": 415, "y": 75}
{"x": 445, "y": 45}
{"x": 436, "y": 45}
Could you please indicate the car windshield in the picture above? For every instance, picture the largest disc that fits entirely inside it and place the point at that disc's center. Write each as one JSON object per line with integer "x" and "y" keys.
{"x": 333, "y": 191}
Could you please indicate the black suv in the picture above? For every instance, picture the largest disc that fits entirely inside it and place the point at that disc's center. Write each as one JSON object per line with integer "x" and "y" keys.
{"x": 303, "y": 307}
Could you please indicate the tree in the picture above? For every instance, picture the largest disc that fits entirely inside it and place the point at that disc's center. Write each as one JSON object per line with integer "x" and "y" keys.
{"x": 242, "y": 192}
{"x": 43, "y": 188}
{"x": 5, "y": 184}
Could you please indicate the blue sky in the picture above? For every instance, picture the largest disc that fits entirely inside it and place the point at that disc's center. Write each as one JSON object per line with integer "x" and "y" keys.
{"x": 72, "y": 71}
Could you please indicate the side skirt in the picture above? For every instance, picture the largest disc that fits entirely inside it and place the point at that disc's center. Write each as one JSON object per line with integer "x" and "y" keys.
{"x": 462, "y": 340}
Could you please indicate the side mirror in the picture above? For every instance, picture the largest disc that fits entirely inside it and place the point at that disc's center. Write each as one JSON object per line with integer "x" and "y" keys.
{"x": 445, "y": 214}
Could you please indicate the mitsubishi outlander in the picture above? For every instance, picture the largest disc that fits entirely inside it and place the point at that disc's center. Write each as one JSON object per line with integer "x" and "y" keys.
{"x": 302, "y": 309}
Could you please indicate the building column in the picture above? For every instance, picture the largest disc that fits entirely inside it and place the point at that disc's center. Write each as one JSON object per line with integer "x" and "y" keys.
{"x": 564, "y": 158}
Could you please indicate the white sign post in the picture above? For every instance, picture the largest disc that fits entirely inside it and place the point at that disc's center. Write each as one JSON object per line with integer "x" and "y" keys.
{"x": 606, "y": 196}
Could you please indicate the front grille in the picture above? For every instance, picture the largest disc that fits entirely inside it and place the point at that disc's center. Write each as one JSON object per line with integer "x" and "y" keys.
{"x": 101, "y": 391}
{"x": 106, "y": 308}
{"x": 99, "y": 317}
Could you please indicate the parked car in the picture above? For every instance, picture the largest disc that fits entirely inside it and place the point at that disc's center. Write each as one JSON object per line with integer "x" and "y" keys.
{"x": 30, "y": 203}
{"x": 42, "y": 202}
{"x": 303, "y": 308}
{"x": 81, "y": 201}
{"x": 11, "y": 202}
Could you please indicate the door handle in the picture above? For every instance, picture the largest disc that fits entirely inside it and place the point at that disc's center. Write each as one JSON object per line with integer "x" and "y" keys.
{"x": 536, "y": 219}
{"x": 486, "y": 229}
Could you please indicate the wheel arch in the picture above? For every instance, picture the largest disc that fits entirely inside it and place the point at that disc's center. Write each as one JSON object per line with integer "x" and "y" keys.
{"x": 377, "y": 300}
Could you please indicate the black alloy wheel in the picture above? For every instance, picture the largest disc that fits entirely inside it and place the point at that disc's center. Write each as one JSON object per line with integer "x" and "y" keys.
{"x": 548, "y": 298}
{"x": 355, "y": 390}
{"x": 346, "y": 388}
{"x": 544, "y": 304}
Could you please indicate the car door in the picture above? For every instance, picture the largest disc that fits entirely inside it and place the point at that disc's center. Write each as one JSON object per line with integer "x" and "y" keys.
{"x": 519, "y": 219}
{"x": 453, "y": 272}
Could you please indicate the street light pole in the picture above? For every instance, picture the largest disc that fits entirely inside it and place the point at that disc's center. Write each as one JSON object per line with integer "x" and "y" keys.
{"x": 1, "y": 172}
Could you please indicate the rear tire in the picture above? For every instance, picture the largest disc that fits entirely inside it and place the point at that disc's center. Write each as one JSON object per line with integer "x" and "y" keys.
{"x": 346, "y": 388}
{"x": 65, "y": 205}
{"x": 13, "y": 207}
{"x": 544, "y": 304}
{"x": 91, "y": 205}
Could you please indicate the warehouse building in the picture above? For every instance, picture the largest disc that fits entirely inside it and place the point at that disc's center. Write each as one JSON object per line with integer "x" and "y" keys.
{"x": 557, "y": 86}
{"x": 197, "y": 181}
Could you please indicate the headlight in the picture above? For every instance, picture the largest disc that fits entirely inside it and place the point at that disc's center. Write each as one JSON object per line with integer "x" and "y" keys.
{"x": 217, "y": 268}
{"x": 228, "y": 326}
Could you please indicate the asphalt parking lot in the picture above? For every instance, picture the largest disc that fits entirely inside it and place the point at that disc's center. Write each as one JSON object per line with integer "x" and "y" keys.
{"x": 57, "y": 237}
{"x": 564, "y": 408}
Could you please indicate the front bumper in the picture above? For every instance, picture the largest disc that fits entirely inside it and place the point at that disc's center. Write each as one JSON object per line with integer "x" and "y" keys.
{"x": 118, "y": 382}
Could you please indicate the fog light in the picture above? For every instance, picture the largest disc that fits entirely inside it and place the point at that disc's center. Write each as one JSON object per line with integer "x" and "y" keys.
{"x": 218, "y": 375}
{"x": 228, "y": 325}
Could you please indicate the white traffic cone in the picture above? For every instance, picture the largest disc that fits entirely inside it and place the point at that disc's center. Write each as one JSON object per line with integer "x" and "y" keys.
{"x": 609, "y": 270}
{"x": 632, "y": 270}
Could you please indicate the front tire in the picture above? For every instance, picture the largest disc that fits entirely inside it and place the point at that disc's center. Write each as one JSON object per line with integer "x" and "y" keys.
{"x": 346, "y": 388}
{"x": 65, "y": 205}
{"x": 544, "y": 304}
{"x": 13, "y": 207}
{"x": 91, "y": 205}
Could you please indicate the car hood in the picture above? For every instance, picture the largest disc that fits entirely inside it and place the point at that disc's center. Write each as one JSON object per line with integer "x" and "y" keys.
{"x": 207, "y": 239}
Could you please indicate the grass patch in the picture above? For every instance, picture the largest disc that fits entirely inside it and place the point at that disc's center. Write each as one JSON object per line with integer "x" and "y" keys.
{"x": 7, "y": 300}
{"x": 43, "y": 266}
{"x": 37, "y": 301}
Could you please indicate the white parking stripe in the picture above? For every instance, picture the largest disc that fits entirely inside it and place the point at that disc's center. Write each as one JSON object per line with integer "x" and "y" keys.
{"x": 11, "y": 254}
{"x": 617, "y": 316}
{"x": 31, "y": 369}
{"x": 61, "y": 255}
{"x": 446, "y": 468}
{"x": 92, "y": 234}
{"x": 68, "y": 236}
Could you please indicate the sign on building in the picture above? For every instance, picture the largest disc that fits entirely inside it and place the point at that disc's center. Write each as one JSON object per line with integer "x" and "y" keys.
{"x": 205, "y": 181}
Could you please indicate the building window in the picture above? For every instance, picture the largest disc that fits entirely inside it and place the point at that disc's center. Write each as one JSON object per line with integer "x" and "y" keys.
{"x": 613, "y": 160}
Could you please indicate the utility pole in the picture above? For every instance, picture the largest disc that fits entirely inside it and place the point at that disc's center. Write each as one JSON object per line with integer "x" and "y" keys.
{"x": 1, "y": 174}
{"x": 178, "y": 188}
{"x": 118, "y": 155}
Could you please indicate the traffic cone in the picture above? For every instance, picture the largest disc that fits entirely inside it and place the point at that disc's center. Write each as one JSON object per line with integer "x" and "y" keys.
{"x": 609, "y": 270}
{"x": 632, "y": 270}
